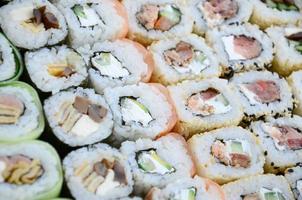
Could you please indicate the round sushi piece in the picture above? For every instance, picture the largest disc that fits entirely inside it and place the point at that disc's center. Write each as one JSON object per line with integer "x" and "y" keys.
{"x": 79, "y": 116}
{"x": 276, "y": 12}
{"x": 97, "y": 172}
{"x": 281, "y": 140}
{"x": 141, "y": 111}
{"x": 29, "y": 170}
{"x": 288, "y": 41}
{"x": 11, "y": 63}
{"x": 266, "y": 187}
{"x": 241, "y": 47}
{"x": 152, "y": 20}
{"x": 295, "y": 81}
{"x": 205, "y": 105}
{"x": 90, "y": 21}
{"x": 294, "y": 177}
{"x": 32, "y": 24}
{"x": 56, "y": 68}
{"x": 21, "y": 115}
{"x": 184, "y": 58}
{"x": 263, "y": 93}
{"x": 227, "y": 154}
{"x": 117, "y": 63}
{"x": 157, "y": 163}
{"x": 213, "y": 13}
{"x": 188, "y": 189}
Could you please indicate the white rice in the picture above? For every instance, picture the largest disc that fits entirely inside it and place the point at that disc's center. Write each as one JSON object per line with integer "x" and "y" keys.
{"x": 293, "y": 175}
{"x": 8, "y": 66}
{"x": 295, "y": 81}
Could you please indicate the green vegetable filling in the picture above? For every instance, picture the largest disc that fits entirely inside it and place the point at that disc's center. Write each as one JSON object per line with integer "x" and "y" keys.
{"x": 79, "y": 11}
{"x": 171, "y": 12}
{"x": 281, "y": 6}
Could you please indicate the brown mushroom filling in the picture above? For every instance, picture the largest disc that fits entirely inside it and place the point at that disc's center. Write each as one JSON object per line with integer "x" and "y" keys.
{"x": 11, "y": 108}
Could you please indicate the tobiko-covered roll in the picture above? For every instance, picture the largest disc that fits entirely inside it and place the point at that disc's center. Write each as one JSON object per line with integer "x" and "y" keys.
{"x": 295, "y": 81}
{"x": 294, "y": 177}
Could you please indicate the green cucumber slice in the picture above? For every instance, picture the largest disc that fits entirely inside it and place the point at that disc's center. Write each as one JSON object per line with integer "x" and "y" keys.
{"x": 79, "y": 11}
{"x": 171, "y": 13}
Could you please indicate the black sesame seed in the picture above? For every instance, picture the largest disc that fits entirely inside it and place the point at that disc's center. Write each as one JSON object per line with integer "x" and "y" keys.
{"x": 265, "y": 153}
{"x": 290, "y": 170}
{"x": 272, "y": 163}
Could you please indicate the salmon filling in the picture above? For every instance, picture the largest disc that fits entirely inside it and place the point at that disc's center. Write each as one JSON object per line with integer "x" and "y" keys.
{"x": 208, "y": 102}
{"x": 266, "y": 194}
{"x": 19, "y": 170}
{"x": 183, "y": 58}
{"x": 102, "y": 176}
{"x": 87, "y": 15}
{"x": 235, "y": 153}
{"x": 286, "y": 5}
{"x": 285, "y": 137}
{"x": 294, "y": 37}
{"x": 11, "y": 109}
{"x": 159, "y": 17}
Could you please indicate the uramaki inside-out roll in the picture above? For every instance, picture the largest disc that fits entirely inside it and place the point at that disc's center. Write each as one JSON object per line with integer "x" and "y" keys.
{"x": 264, "y": 187}
{"x": 56, "y": 68}
{"x": 141, "y": 111}
{"x": 294, "y": 177}
{"x": 29, "y": 170}
{"x": 295, "y": 81}
{"x": 97, "y": 172}
{"x": 79, "y": 116}
{"x": 117, "y": 63}
{"x": 241, "y": 47}
{"x": 152, "y": 20}
{"x": 184, "y": 58}
{"x": 281, "y": 140}
{"x": 90, "y": 21}
{"x": 32, "y": 24}
{"x": 205, "y": 105}
{"x": 157, "y": 163}
{"x": 21, "y": 115}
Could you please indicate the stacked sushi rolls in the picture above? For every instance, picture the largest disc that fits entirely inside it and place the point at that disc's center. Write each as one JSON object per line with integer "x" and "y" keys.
{"x": 79, "y": 116}
{"x": 295, "y": 81}
{"x": 294, "y": 177}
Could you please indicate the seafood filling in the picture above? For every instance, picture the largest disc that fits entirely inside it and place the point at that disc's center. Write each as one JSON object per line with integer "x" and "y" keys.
{"x": 184, "y": 194}
{"x": 286, "y": 5}
{"x": 185, "y": 59}
{"x": 266, "y": 194}
{"x": 86, "y": 15}
{"x": 11, "y": 109}
{"x": 294, "y": 37}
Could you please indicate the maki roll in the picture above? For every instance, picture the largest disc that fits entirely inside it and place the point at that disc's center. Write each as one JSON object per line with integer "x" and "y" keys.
{"x": 205, "y": 105}
{"x": 264, "y": 187}
{"x": 281, "y": 140}
{"x": 56, "y": 68}
{"x": 97, "y": 172}
{"x": 276, "y": 12}
{"x": 263, "y": 93}
{"x": 295, "y": 81}
{"x": 288, "y": 41}
{"x": 21, "y": 115}
{"x": 183, "y": 58}
{"x": 241, "y": 47}
{"x": 11, "y": 64}
{"x": 152, "y": 20}
{"x": 90, "y": 21}
{"x": 32, "y": 24}
{"x": 227, "y": 154}
{"x": 157, "y": 163}
{"x": 294, "y": 177}
{"x": 79, "y": 116}
{"x": 29, "y": 170}
{"x": 188, "y": 189}
{"x": 117, "y": 63}
{"x": 141, "y": 111}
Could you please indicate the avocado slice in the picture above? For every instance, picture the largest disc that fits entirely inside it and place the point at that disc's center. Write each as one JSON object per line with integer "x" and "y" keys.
{"x": 191, "y": 193}
{"x": 79, "y": 11}
{"x": 141, "y": 106}
{"x": 161, "y": 161}
{"x": 171, "y": 13}
{"x": 271, "y": 4}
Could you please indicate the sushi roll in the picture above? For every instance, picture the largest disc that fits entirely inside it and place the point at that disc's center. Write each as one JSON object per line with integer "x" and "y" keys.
{"x": 153, "y": 20}
{"x": 29, "y": 170}
{"x": 241, "y": 47}
{"x": 79, "y": 116}
{"x": 264, "y": 187}
{"x": 294, "y": 177}
{"x": 205, "y": 105}
{"x": 90, "y": 21}
{"x": 213, "y": 13}
{"x": 188, "y": 189}
{"x": 157, "y": 163}
{"x": 288, "y": 41}
{"x": 281, "y": 140}
{"x": 183, "y": 58}
{"x": 141, "y": 111}
{"x": 276, "y": 12}
{"x": 117, "y": 63}
{"x": 97, "y": 172}
{"x": 263, "y": 93}
{"x": 56, "y": 68}
{"x": 11, "y": 63}
{"x": 295, "y": 81}
{"x": 227, "y": 154}
{"x": 32, "y": 24}
{"x": 21, "y": 115}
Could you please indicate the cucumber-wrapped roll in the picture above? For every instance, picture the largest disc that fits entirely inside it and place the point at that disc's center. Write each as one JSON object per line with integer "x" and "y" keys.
{"x": 21, "y": 115}
{"x": 295, "y": 81}
{"x": 294, "y": 177}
